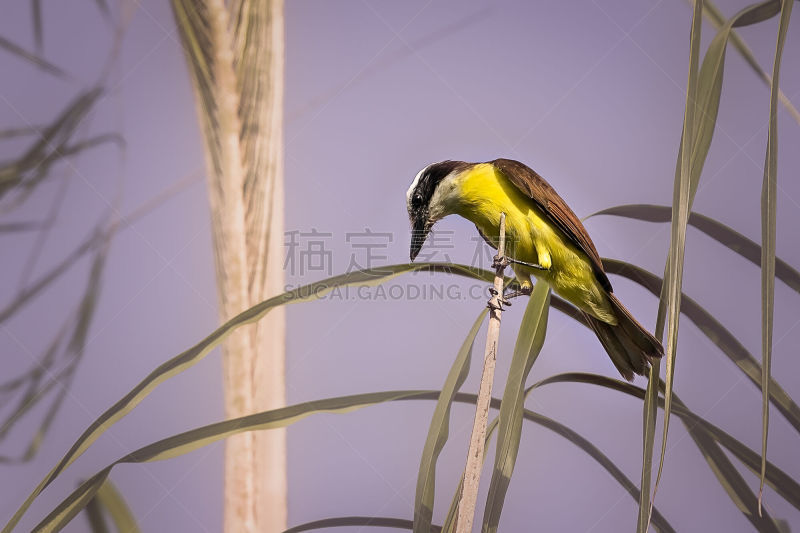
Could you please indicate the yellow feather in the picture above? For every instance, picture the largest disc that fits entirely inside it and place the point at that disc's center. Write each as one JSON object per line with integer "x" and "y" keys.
{"x": 483, "y": 193}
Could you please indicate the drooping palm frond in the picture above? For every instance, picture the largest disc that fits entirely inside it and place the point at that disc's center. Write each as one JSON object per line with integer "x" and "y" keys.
{"x": 702, "y": 104}
{"x": 313, "y": 291}
{"x": 194, "y": 439}
{"x": 196, "y": 353}
{"x": 705, "y": 434}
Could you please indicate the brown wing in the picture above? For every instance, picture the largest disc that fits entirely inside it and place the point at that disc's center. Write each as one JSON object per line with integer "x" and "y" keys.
{"x": 556, "y": 210}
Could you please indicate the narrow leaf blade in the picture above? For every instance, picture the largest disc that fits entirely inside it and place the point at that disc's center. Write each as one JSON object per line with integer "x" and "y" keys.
{"x": 193, "y": 355}
{"x": 768, "y": 230}
{"x": 529, "y": 343}
{"x": 718, "y": 231}
{"x": 438, "y": 431}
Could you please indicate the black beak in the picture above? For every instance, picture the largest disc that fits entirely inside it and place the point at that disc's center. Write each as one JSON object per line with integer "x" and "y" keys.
{"x": 419, "y": 232}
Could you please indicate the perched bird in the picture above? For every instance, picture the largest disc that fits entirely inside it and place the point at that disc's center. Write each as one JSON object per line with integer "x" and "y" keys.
{"x": 544, "y": 238}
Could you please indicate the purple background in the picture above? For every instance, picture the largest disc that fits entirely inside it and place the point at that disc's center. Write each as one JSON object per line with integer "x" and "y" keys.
{"x": 590, "y": 94}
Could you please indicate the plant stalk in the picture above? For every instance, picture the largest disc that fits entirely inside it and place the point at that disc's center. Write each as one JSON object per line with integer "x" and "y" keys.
{"x": 477, "y": 442}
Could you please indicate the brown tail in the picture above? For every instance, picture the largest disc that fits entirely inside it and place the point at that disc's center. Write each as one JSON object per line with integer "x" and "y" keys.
{"x": 629, "y": 345}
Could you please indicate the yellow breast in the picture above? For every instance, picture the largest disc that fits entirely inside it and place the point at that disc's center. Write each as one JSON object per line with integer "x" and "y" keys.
{"x": 485, "y": 193}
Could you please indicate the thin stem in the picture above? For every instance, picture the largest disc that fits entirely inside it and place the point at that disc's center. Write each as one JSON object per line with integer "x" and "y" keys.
{"x": 477, "y": 442}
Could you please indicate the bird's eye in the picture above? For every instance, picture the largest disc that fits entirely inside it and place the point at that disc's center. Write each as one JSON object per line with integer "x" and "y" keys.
{"x": 416, "y": 200}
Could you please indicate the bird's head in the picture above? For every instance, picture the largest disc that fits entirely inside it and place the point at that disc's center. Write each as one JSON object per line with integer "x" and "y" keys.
{"x": 430, "y": 198}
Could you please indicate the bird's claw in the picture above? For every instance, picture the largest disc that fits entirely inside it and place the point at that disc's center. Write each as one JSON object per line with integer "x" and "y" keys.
{"x": 522, "y": 291}
{"x": 499, "y": 262}
{"x": 501, "y": 301}
{"x": 504, "y": 261}
{"x": 490, "y": 304}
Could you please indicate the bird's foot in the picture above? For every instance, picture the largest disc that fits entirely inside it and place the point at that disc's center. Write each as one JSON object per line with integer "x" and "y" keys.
{"x": 499, "y": 262}
{"x": 522, "y": 291}
{"x": 501, "y": 301}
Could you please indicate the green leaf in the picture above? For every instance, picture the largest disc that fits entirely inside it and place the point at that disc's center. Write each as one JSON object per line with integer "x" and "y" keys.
{"x": 25, "y": 131}
{"x": 97, "y": 237}
{"x": 92, "y": 242}
{"x": 438, "y": 432}
{"x": 14, "y": 227}
{"x": 700, "y": 127}
{"x": 78, "y": 322}
{"x": 32, "y": 58}
{"x": 778, "y": 480}
{"x": 108, "y": 498}
{"x": 529, "y": 343}
{"x": 702, "y": 105}
{"x": 32, "y": 379}
{"x": 193, "y": 355}
{"x": 575, "y": 438}
{"x": 94, "y": 514}
{"x": 715, "y": 332}
{"x": 52, "y": 144}
{"x": 725, "y": 340}
{"x": 357, "y": 521}
{"x": 659, "y": 521}
{"x": 102, "y": 6}
{"x": 706, "y": 437}
{"x": 721, "y": 233}
{"x": 768, "y": 229}
{"x": 194, "y": 439}
{"x": 36, "y": 15}
{"x": 718, "y": 20}
{"x": 709, "y": 85}
{"x": 197, "y": 438}
{"x": 650, "y": 415}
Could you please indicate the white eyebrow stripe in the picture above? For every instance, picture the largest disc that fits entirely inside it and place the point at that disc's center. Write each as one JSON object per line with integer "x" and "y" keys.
{"x": 414, "y": 186}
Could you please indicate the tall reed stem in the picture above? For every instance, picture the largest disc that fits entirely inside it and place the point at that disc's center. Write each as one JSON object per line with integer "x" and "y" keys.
{"x": 472, "y": 472}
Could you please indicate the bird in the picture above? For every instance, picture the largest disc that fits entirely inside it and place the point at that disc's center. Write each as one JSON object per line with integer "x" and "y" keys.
{"x": 544, "y": 239}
